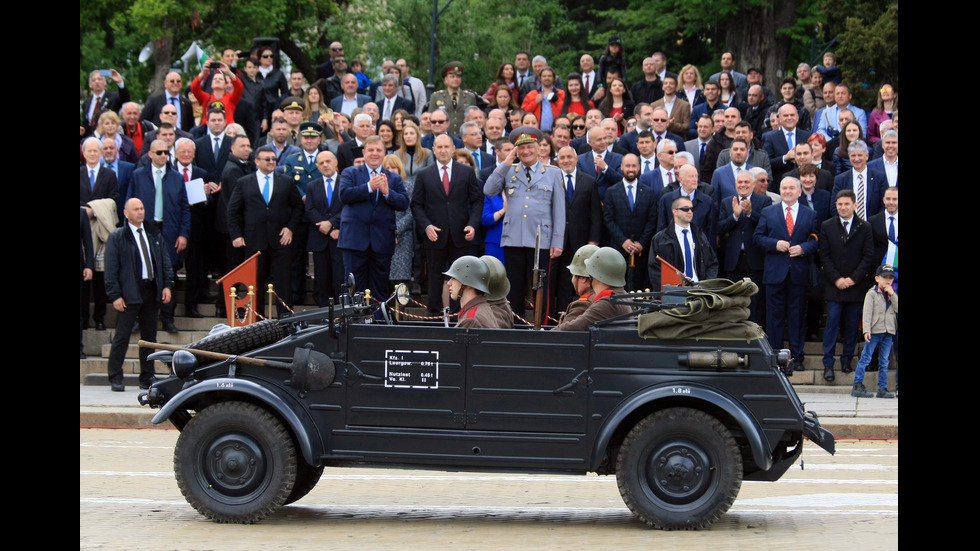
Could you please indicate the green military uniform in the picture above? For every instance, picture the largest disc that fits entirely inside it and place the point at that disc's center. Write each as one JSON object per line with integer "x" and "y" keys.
{"x": 443, "y": 99}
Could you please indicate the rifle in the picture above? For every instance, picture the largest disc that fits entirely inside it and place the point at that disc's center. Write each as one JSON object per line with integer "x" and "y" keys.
{"x": 538, "y": 278}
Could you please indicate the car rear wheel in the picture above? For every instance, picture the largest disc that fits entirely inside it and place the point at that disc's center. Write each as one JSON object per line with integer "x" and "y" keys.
{"x": 679, "y": 469}
{"x": 235, "y": 462}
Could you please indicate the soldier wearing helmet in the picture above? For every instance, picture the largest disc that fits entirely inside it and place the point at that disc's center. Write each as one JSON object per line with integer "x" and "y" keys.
{"x": 469, "y": 283}
{"x": 580, "y": 282}
{"x": 607, "y": 270}
{"x": 498, "y": 287}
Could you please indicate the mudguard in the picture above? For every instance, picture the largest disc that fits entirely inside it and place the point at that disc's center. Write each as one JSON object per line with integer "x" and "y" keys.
{"x": 299, "y": 428}
{"x": 691, "y": 395}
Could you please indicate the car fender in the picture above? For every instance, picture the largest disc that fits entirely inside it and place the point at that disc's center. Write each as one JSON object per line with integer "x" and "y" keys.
{"x": 690, "y": 395}
{"x": 300, "y": 428}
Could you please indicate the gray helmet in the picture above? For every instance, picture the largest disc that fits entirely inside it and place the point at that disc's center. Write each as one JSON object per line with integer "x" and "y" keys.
{"x": 470, "y": 271}
{"x": 607, "y": 266}
{"x": 499, "y": 284}
{"x": 577, "y": 267}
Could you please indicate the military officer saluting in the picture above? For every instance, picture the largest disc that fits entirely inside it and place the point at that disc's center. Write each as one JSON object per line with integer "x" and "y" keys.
{"x": 453, "y": 100}
{"x": 535, "y": 198}
{"x": 469, "y": 278}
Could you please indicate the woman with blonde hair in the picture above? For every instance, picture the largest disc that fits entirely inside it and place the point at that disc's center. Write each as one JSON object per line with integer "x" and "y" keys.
{"x": 689, "y": 81}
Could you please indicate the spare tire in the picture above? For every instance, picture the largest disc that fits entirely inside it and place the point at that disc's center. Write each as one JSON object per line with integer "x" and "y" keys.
{"x": 242, "y": 339}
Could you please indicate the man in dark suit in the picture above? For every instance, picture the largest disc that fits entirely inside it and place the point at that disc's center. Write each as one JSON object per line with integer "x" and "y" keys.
{"x": 659, "y": 124}
{"x": 215, "y": 140}
{"x": 351, "y": 150}
{"x": 122, "y": 169}
{"x": 868, "y": 185}
{"x": 712, "y": 95}
{"x": 350, "y": 99}
{"x": 784, "y": 233}
{"x": 323, "y": 208}
{"x": 723, "y": 180}
{"x": 737, "y": 219}
{"x": 780, "y": 143}
{"x": 239, "y": 164}
{"x": 263, "y": 212}
{"x": 138, "y": 278}
{"x": 705, "y": 213}
{"x": 664, "y": 173}
{"x": 86, "y": 264}
{"x": 847, "y": 256}
{"x": 174, "y": 221}
{"x": 170, "y": 96}
{"x": 884, "y": 225}
{"x": 391, "y": 101}
{"x": 683, "y": 245}
{"x": 101, "y": 101}
{"x": 95, "y": 182}
{"x": 583, "y": 225}
{"x": 604, "y": 164}
{"x": 472, "y": 138}
{"x": 814, "y": 197}
{"x": 447, "y": 204}
{"x": 630, "y": 213}
{"x": 201, "y": 240}
{"x": 371, "y": 195}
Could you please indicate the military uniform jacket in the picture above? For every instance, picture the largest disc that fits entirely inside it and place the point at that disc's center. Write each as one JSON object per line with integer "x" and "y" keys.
{"x": 444, "y": 100}
{"x": 503, "y": 313}
{"x": 477, "y": 313}
{"x": 540, "y": 201}
{"x": 300, "y": 171}
{"x": 576, "y": 308}
{"x": 601, "y": 308}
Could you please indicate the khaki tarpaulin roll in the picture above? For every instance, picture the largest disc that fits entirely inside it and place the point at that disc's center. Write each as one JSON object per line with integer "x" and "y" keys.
{"x": 715, "y": 309}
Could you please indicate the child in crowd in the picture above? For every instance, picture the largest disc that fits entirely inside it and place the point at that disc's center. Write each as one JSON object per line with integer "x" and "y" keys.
{"x": 363, "y": 81}
{"x": 880, "y": 326}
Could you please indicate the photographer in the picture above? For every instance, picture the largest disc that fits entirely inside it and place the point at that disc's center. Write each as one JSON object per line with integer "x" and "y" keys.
{"x": 547, "y": 102}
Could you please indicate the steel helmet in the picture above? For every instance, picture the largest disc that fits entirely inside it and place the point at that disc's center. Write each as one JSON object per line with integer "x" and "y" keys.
{"x": 499, "y": 285}
{"x": 607, "y": 266}
{"x": 470, "y": 271}
{"x": 577, "y": 267}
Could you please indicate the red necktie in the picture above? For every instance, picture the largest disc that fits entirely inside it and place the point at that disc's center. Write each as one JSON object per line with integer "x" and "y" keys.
{"x": 187, "y": 177}
{"x": 597, "y": 171}
{"x": 445, "y": 179}
{"x": 789, "y": 220}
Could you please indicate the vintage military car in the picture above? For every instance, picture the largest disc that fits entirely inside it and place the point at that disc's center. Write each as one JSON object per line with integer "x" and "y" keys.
{"x": 680, "y": 423}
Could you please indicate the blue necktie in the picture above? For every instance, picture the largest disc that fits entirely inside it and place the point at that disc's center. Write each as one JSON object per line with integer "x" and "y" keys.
{"x": 91, "y": 179}
{"x": 688, "y": 261}
{"x": 568, "y": 187}
{"x": 266, "y": 190}
{"x": 646, "y": 166}
{"x": 891, "y": 230}
{"x": 629, "y": 193}
{"x": 701, "y": 153}
{"x": 329, "y": 191}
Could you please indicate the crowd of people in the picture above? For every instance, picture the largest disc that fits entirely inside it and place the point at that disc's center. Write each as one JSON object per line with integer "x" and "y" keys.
{"x": 703, "y": 178}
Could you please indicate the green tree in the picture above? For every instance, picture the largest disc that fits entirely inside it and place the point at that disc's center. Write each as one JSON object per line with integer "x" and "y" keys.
{"x": 868, "y": 53}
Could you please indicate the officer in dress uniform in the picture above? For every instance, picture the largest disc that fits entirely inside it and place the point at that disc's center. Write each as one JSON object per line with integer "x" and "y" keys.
{"x": 453, "y": 100}
{"x": 535, "y": 198}
{"x": 301, "y": 169}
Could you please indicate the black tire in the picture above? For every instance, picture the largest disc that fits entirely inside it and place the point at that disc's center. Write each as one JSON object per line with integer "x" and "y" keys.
{"x": 234, "y": 462}
{"x": 242, "y": 339}
{"x": 679, "y": 469}
{"x": 306, "y": 479}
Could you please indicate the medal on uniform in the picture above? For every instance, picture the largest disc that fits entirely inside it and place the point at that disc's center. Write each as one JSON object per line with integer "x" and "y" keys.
{"x": 510, "y": 191}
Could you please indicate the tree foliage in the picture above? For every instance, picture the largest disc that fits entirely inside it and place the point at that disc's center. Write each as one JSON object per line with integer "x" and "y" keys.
{"x": 868, "y": 53}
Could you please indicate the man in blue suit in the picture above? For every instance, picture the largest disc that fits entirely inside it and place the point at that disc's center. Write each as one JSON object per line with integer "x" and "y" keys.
{"x": 350, "y": 99}
{"x": 599, "y": 162}
{"x": 174, "y": 221}
{"x": 371, "y": 195}
{"x": 630, "y": 211}
{"x": 737, "y": 220}
{"x": 867, "y": 184}
{"x": 663, "y": 175}
{"x": 780, "y": 143}
{"x": 784, "y": 233}
{"x": 122, "y": 169}
{"x": 723, "y": 179}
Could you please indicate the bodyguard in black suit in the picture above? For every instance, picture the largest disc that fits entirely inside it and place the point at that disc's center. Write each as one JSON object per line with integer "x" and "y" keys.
{"x": 631, "y": 224}
{"x": 323, "y": 208}
{"x": 667, "y": 245}
{"x": 139, "y": 278}
{"x": 257, "y": 224}
{"x": 447, "y": 221}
